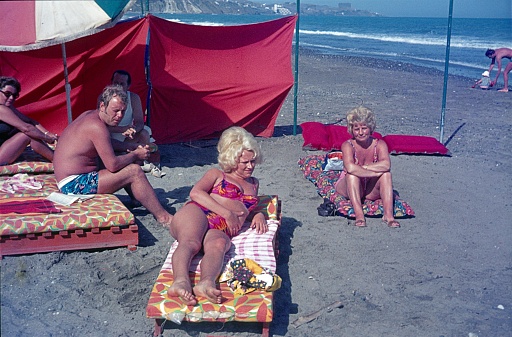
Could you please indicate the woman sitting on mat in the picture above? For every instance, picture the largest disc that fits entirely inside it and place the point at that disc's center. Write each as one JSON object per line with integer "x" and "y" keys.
{"x": 367, "y": 167}
{"x": 18, "y": 130}
{"x": 220, "y": 203}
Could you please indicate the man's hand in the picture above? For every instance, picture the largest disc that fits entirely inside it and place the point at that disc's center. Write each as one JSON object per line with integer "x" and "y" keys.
{"x": 142, "y": 152}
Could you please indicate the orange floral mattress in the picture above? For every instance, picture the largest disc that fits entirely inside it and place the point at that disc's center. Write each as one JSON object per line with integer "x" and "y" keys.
{"x": 101, "y": 211}
{"x": 251, "y": 307}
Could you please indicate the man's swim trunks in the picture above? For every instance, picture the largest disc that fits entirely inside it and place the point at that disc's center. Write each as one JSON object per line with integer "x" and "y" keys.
{"x": 86, "y": 183}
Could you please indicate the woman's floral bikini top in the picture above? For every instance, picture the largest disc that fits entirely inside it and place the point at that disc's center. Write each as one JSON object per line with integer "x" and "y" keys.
{"x": 375, "y": 156}
{"x": 229, "y": 190}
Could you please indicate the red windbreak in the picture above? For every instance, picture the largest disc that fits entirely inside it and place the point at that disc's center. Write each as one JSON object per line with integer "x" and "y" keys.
{"x": 206, "y": 79}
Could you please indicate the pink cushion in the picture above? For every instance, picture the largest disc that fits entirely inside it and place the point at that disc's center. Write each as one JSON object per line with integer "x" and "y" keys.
{"x": 315, "y": 136}
{"x": 415, "y": 144}
{"x": 338, "y": 134}
{"x": 318, "y": 136}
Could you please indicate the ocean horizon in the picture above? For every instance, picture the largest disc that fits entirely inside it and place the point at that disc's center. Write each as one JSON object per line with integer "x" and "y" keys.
{"x": 417, "y": 41}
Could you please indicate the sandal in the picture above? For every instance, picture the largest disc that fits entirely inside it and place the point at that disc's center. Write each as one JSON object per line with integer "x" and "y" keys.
{"x": 391, "y": 223}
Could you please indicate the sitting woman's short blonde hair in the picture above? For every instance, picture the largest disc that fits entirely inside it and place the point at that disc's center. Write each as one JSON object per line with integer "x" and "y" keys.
{"x": 232, "y": 143}
{"x": 361, "y": 114}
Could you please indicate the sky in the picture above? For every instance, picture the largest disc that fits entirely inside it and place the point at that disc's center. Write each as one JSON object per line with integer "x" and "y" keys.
{"x": 429, "y": 8}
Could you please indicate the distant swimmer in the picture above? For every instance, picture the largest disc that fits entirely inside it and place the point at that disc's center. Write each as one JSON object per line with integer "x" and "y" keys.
{"x": 496, "y": 56}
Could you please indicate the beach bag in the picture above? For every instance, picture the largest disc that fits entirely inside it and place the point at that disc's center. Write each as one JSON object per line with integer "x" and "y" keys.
{"x": 328, "y": 208}
{"x": 333, "y": 161}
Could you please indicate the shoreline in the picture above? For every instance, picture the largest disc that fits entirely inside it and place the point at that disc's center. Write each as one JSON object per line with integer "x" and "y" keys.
{"x": 370, "y": 61}
{"x": 447, "y": 271}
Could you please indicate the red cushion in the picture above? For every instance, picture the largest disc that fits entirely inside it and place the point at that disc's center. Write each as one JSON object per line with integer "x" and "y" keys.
{"x": 338, "y": 134}
{"x": 415, "y": 144}
{"x": 315, "y": 136}
{"x": 318, "y": 136}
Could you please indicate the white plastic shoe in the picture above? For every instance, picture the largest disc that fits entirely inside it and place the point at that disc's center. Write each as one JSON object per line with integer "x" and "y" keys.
{"x": 157, "y": 172}
{"x": 147, "y": 167}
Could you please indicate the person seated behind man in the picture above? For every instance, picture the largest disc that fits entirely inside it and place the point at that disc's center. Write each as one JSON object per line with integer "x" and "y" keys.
{"x": 131, "y": 131}
{"x": 220, "y": 203}
{"x": 17, "y": 130}
{"x": 366, "y": 167}
{"x": 86, "y": 142}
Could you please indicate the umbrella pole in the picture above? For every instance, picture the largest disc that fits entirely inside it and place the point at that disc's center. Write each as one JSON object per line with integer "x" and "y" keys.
{"x": 446, "y": 64}
{"x": 295, "y": 87}
{"x": 67, "y": 85}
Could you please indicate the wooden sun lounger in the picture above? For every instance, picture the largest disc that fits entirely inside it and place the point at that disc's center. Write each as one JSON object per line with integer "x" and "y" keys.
{"x": 256, "y": 306}
{"x": 100, "y": 222}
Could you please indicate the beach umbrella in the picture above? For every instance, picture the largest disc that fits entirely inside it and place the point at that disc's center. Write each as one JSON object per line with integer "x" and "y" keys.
{"x": 35, "y": 24}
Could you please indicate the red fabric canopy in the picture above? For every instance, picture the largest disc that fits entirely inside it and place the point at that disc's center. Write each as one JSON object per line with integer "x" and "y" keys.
{"x": 204, "y": 79}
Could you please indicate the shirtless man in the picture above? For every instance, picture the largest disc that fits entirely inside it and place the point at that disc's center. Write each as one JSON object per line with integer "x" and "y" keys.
{"x": 86, "y": 142}
{"x": 496, "y": 56}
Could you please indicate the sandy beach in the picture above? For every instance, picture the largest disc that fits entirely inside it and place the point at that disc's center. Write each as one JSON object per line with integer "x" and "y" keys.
{"x": 446, "y": 272}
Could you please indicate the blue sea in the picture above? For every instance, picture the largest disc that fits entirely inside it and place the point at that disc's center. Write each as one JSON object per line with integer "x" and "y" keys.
{"x": 419, "y": 41}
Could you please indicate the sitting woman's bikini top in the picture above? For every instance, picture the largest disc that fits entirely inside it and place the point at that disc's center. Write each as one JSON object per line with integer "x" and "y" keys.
{"x": 375, "y": 156}
{"x": 229, "y": 190}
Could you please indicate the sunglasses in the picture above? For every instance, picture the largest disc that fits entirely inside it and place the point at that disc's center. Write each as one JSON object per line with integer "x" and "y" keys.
{"x": 8, "y": 94}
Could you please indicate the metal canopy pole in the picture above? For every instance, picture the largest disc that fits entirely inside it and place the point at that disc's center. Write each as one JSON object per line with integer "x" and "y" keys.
{"x": 67, "y": 86}
{"x": 296, "y": 81}
{"x": 446, "y": 64}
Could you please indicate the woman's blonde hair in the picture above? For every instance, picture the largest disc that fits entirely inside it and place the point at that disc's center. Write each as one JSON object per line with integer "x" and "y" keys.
{"x": 361, "y": 114}
{"x": 232, "y": 143}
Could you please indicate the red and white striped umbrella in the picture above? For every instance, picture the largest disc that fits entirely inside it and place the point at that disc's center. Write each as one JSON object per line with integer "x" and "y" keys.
{"x": 33, "y": 24}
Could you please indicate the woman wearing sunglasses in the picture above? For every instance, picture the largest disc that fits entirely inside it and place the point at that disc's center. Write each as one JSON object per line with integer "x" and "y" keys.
{"x": 17, "y": 130}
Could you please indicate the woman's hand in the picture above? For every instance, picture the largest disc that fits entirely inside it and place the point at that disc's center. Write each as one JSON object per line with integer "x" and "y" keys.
{"x": 50, "y": 138}
{"x": 233, "y": 222}
{"x": 129, "y": 132}
{"x": 259, "y": 223}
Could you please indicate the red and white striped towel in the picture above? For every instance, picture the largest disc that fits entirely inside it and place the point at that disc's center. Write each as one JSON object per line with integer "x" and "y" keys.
{"x": 247, "y": 244}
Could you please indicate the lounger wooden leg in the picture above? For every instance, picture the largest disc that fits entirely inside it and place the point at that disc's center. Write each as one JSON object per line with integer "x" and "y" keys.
{"x": 159, "y": 328}
{"x": 265, "y": 330}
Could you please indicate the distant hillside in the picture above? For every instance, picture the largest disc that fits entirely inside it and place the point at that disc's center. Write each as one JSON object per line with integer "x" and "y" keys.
{"x": 239, "y": 7}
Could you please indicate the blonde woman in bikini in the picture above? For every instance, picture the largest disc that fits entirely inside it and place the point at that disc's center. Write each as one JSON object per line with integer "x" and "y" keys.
{"x": 367, "y": 167}
{"x": 220, "y": 203}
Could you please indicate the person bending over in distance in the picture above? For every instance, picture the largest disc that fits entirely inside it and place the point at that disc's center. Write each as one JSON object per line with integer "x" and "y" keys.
{"x": 220, "y": 203}
{"x": 367, "y": 167}
{"x": 131, "y": 131}
{"x": 497, "y": 56}
{"x": 17, "y": 130}
{"x": 86, "y": 142}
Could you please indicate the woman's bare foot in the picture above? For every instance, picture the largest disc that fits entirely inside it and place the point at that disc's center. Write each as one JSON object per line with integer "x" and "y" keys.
{"x": 183, "y": 290}
{"x": 208, "y": 290}
{"x": 391, "y": 223}
{"x": 503, "y": 90}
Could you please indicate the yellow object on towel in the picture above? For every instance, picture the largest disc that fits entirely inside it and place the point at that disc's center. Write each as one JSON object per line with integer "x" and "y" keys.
{"x": 245, "y": 276}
